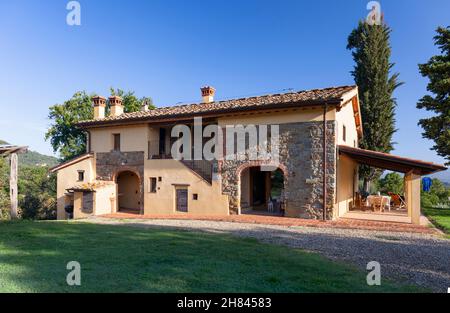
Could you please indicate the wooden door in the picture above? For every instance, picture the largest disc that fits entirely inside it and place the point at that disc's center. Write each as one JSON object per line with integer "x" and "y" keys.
{"x": 182, "y": 200}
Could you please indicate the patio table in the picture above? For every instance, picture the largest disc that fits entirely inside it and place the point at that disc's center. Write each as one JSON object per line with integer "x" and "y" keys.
{"x": 385, "y": 201}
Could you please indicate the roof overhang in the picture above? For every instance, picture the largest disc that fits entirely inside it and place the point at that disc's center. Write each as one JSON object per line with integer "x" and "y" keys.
{"x": 332, "y": 97}
{"x": 215, "y": 114}
{"x": 353, "y": 97}
{"x": 90, "y": 187}
{"x": 71, "y": 162}
{"x": 390, "y": 162}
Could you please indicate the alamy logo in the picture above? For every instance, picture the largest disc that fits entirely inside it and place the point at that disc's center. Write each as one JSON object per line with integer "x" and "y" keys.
{"x": 229, "y": 142}
{"x": 74, "y": 276}
{"x": 375, "y": 16}
{"x": 74, "y": 16}
{"x": 374, "y": 276}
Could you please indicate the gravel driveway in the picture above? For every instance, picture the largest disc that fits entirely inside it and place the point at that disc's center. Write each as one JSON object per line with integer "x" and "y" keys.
{"x": 418, "y": 259}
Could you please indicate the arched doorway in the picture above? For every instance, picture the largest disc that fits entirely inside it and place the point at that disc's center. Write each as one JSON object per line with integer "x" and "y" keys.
{"x": 128, "y": 192}
{"x": 262, "y": 191}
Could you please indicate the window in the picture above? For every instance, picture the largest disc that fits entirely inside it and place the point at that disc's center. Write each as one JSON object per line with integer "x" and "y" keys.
{"x": 160, "y": 178}
{"x": 162, "y": 141}
{"x": 80, "y": 175}
{"x": 153, "y": 184}
{"x": 116, "y": 142}
{"x": 344, "y": 133}
{"x": 195, "y": 196}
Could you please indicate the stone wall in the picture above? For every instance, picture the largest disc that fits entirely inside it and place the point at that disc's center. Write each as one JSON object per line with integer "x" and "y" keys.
{"x": 301, "y": 154}
{"x": 110, "y": 164}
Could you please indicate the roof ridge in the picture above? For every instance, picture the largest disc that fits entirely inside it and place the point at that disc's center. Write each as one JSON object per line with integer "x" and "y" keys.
{"x": 259, "y": 96}
{"x": 312, "y": 96}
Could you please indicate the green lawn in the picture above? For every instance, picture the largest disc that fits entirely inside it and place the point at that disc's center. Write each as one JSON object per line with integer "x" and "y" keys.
{"x": 440, "y": 218}
{"x": 33, "y": 258}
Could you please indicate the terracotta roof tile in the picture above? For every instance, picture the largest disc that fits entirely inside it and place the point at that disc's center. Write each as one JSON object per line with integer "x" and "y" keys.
{"x": 331, "y": 95}
{"x": 92, "y": 186}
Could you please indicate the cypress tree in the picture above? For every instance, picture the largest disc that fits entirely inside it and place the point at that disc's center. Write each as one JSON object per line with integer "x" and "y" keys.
{"x": 371, "y": 52}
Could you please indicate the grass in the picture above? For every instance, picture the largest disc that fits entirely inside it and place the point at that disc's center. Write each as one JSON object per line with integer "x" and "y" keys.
{"x": 440, "y": 217}
{"x": 34, "y": 255}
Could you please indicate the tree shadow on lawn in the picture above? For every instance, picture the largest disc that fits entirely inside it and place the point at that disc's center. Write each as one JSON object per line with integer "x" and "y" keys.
{"x": 413, "y": 259}
{"x": 33, "y": 258}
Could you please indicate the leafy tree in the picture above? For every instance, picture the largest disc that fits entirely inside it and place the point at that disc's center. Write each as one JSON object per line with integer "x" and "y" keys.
{"x": 130, "y": 102}
{"x": 4, "y": 190}
{"x": 437, "y": 70}
{"x": 37, "y": 193}
{"x": 371, "y": 52}
{"x": 392, "y": 182}
{"x": 440, "y": 190}
{"x": 70, "y": 141}
{"x": 65, "y": 138}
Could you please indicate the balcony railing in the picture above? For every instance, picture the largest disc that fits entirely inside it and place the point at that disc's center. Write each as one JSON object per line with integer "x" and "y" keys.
{"x": 203, "y": 168}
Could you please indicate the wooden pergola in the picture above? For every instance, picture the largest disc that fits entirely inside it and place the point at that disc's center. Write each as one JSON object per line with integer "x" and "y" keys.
{"x": 413, "y": 170}
{"x": 12, "y": 152}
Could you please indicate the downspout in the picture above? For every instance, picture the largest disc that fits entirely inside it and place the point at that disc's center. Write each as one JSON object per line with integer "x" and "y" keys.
{"x": 88, "y": 138}
{"x": 324, "y": 163}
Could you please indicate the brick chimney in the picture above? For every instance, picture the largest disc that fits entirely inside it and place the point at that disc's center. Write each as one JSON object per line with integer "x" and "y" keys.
{"x": 208, "y": 94}
{"x": 116, "y": 106}
{"x": 99, "y": 107}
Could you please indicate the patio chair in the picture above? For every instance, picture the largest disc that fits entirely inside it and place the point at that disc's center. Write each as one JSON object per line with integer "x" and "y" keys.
{"x": 270, "y": 206}
{"x": 358, "y": 200}
{"x": 377, "y": 204}
{"x": 397, "y": 200}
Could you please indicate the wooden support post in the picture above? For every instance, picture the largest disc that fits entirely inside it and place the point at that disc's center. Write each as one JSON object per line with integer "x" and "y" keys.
{"x": 268, "y": 185}
{"x": 412, "y": 192}
{"x": 13, "y": 185}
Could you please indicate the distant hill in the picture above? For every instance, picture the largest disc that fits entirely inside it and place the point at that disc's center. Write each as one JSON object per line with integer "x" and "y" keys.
{"x": 33, "y": 158}
{"x": 443, "y": 176}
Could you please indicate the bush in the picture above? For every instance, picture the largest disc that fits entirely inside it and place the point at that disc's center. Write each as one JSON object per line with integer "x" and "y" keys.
{"x": 4, "y": 206}
{"x": 37, "y": 193}
{"x": 4, "y": 190}
{"x": 429, "y": 200}
{"x": 437, "y": 196}
{"x": 40, "y": 207}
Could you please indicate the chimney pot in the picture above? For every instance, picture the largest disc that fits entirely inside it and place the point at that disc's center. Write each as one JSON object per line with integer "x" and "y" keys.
{"x": 208, "y": 93}
{"x": 144, "y": 106}
{"x": 99, "y": 107}
{"x": 116, "y": 106}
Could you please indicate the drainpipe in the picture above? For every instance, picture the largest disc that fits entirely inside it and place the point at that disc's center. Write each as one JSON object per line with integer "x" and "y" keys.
{"x": 324, "y": 163}
{"x": 88, "y": 139}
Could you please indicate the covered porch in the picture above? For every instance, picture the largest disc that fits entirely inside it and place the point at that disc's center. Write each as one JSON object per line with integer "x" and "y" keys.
{"x": 395, "y": 208}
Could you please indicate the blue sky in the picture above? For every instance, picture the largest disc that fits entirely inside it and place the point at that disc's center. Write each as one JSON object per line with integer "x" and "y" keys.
{"x": 169, "y": 49}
